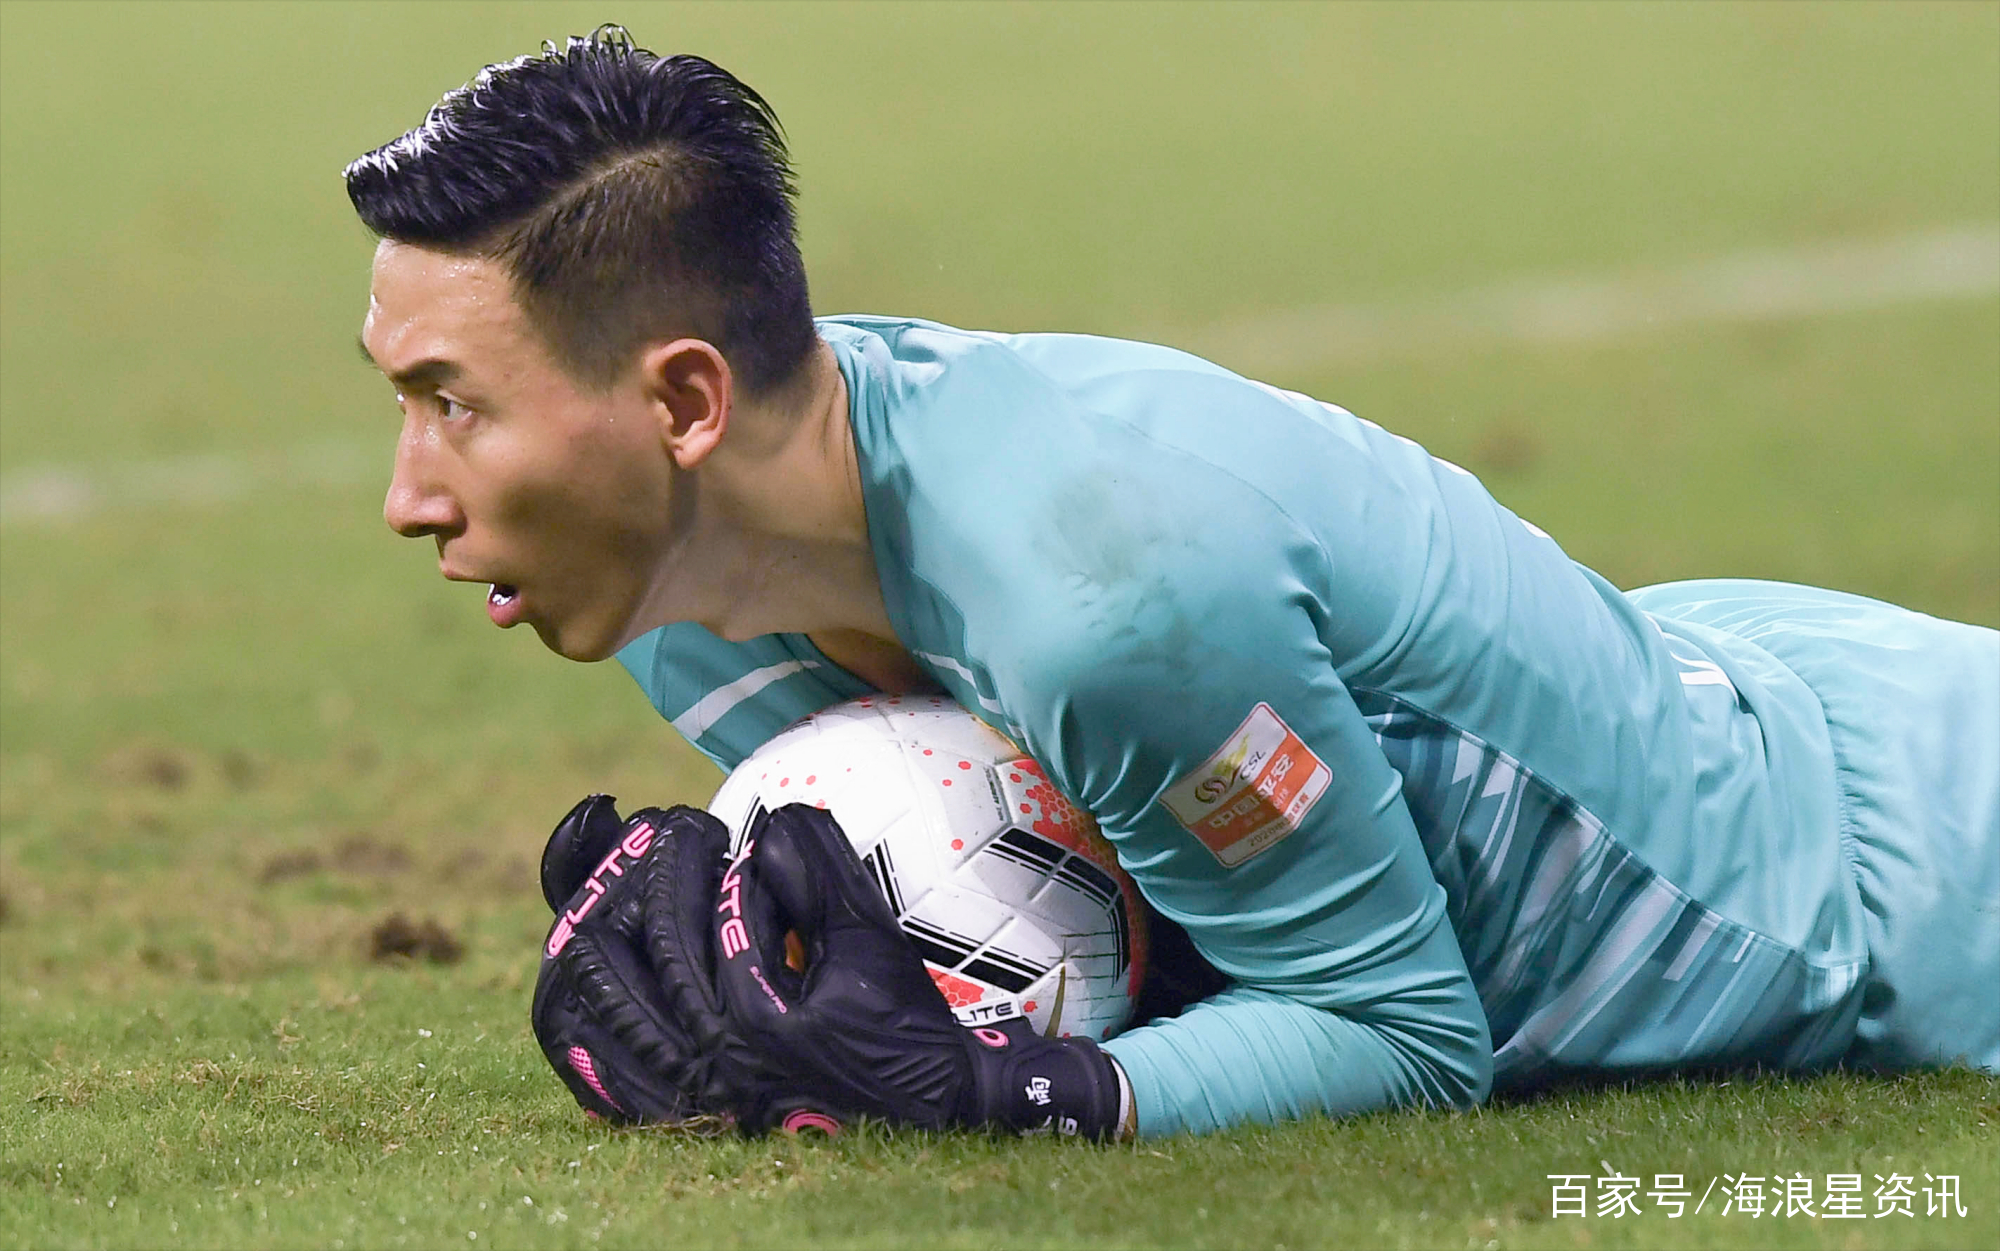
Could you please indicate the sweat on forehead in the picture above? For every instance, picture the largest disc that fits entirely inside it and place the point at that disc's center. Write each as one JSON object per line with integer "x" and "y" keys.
{"x": 431, "y": 315}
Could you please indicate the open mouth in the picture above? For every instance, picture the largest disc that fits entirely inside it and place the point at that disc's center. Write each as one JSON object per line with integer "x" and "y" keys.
{"x": 503, "y": 604}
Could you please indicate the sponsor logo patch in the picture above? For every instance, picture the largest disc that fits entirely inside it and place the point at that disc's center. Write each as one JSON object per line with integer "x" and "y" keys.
{"x": 1255, "y": 789}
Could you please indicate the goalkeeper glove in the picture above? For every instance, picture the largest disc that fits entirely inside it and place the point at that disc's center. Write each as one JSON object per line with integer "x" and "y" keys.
{"x": 625, "y": 1005}
{"x": 862, "y": 1029}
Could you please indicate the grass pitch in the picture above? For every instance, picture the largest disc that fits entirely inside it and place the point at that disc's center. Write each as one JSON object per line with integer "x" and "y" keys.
{"x": 243, "y": 729}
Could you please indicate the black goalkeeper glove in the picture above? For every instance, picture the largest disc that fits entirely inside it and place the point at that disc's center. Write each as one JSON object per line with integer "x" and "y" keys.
{"x": 626, "y": 1007}
{"x": 863, "y": 1030}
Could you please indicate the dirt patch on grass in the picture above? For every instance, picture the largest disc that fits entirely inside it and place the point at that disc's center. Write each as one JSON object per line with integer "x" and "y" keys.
{"x": 1507, "y": 448}
{"x": 240, "y": 770}
{"x": 358, "y": 856}
{"x": 396, "y": 937}
{"x": 150, "y": 765}
{"x": 367, "y": 857}
{"x": 288, "y": 864}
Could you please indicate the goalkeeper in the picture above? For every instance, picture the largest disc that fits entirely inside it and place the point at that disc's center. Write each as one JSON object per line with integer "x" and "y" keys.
{"x": 1447, "y": 810}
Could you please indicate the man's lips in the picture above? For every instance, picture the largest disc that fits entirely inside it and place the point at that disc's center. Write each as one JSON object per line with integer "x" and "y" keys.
{"x": 503, "y": 599}
{"x": 503, "y": 605}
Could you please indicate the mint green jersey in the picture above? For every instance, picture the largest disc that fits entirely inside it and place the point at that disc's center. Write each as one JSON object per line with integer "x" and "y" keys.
{"x": 1445, "y": 807}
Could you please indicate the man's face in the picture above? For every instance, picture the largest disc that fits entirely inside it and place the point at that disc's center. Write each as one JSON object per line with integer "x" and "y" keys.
{"x": 554, "y": 494}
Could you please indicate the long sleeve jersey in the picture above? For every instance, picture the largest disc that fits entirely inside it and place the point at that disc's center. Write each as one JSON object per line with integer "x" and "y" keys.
{"x": 1445, "y": 807}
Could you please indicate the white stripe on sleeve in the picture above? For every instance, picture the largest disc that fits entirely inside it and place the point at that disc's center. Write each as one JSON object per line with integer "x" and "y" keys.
{"x": 719, "y": 702}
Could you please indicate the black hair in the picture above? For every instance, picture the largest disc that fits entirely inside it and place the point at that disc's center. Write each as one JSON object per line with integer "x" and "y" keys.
{"x": 628, "y": 195}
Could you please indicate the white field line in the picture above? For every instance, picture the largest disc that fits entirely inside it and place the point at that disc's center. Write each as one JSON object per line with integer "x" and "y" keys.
{"x": 1764, "y": 285}
{"x": 61, "y": 492}
{"x": 1768, "y": 285}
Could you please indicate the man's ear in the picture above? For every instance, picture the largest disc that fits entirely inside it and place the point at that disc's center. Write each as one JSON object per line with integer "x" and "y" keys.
{"x": 693, "y": 392}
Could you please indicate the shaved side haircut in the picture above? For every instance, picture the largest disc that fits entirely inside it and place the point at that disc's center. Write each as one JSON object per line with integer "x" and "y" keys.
{"x": 631, "y": 197}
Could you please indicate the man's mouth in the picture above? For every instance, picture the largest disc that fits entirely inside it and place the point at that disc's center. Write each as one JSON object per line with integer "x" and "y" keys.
{"x": 503, "y": 604}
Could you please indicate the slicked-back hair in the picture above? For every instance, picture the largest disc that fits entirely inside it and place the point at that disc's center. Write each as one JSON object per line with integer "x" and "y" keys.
{"x": 629, "y": 196}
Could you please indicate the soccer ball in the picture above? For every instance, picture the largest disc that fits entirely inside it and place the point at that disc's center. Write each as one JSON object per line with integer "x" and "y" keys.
{"x": 1009, "y": 892}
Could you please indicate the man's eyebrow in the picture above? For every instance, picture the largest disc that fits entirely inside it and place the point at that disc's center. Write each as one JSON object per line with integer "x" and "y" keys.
{"x": 425, "y": 375}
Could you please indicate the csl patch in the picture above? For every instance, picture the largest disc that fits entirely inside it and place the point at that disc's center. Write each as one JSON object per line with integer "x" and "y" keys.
{"x": 1253, "y": 791}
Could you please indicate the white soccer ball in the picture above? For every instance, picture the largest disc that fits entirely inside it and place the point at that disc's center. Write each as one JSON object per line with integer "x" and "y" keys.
{"x": 1011, "y": 895}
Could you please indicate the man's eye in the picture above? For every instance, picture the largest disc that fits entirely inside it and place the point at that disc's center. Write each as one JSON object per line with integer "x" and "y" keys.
{"x": 452, "y": 410}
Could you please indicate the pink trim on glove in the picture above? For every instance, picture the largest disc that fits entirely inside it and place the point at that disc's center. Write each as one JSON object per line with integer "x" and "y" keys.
{"x": 586, "y": 1068}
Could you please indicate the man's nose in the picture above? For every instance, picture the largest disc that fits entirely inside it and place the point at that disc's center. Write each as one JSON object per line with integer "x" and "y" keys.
{"x": 418, "y": 503}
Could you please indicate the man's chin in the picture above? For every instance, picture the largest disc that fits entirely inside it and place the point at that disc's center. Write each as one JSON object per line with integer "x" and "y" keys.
{"x": 575, "y": 644}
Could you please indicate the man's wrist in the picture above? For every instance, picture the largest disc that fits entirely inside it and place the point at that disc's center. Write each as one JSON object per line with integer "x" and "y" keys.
{"x": 1128, "y": 1107}
{"x": 1035, "y": 1085}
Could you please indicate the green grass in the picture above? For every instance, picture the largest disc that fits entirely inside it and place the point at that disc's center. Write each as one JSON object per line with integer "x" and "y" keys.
{"x": 407, "y": 1108}
{"x": 236, "y": 735}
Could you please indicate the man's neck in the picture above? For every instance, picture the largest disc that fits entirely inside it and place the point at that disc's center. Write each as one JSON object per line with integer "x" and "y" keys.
{"x": 788, "y": 463}
{"x": 777, "y": 539}
{"x": 865, "y": 643}
{"x": 887, "y": 666}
